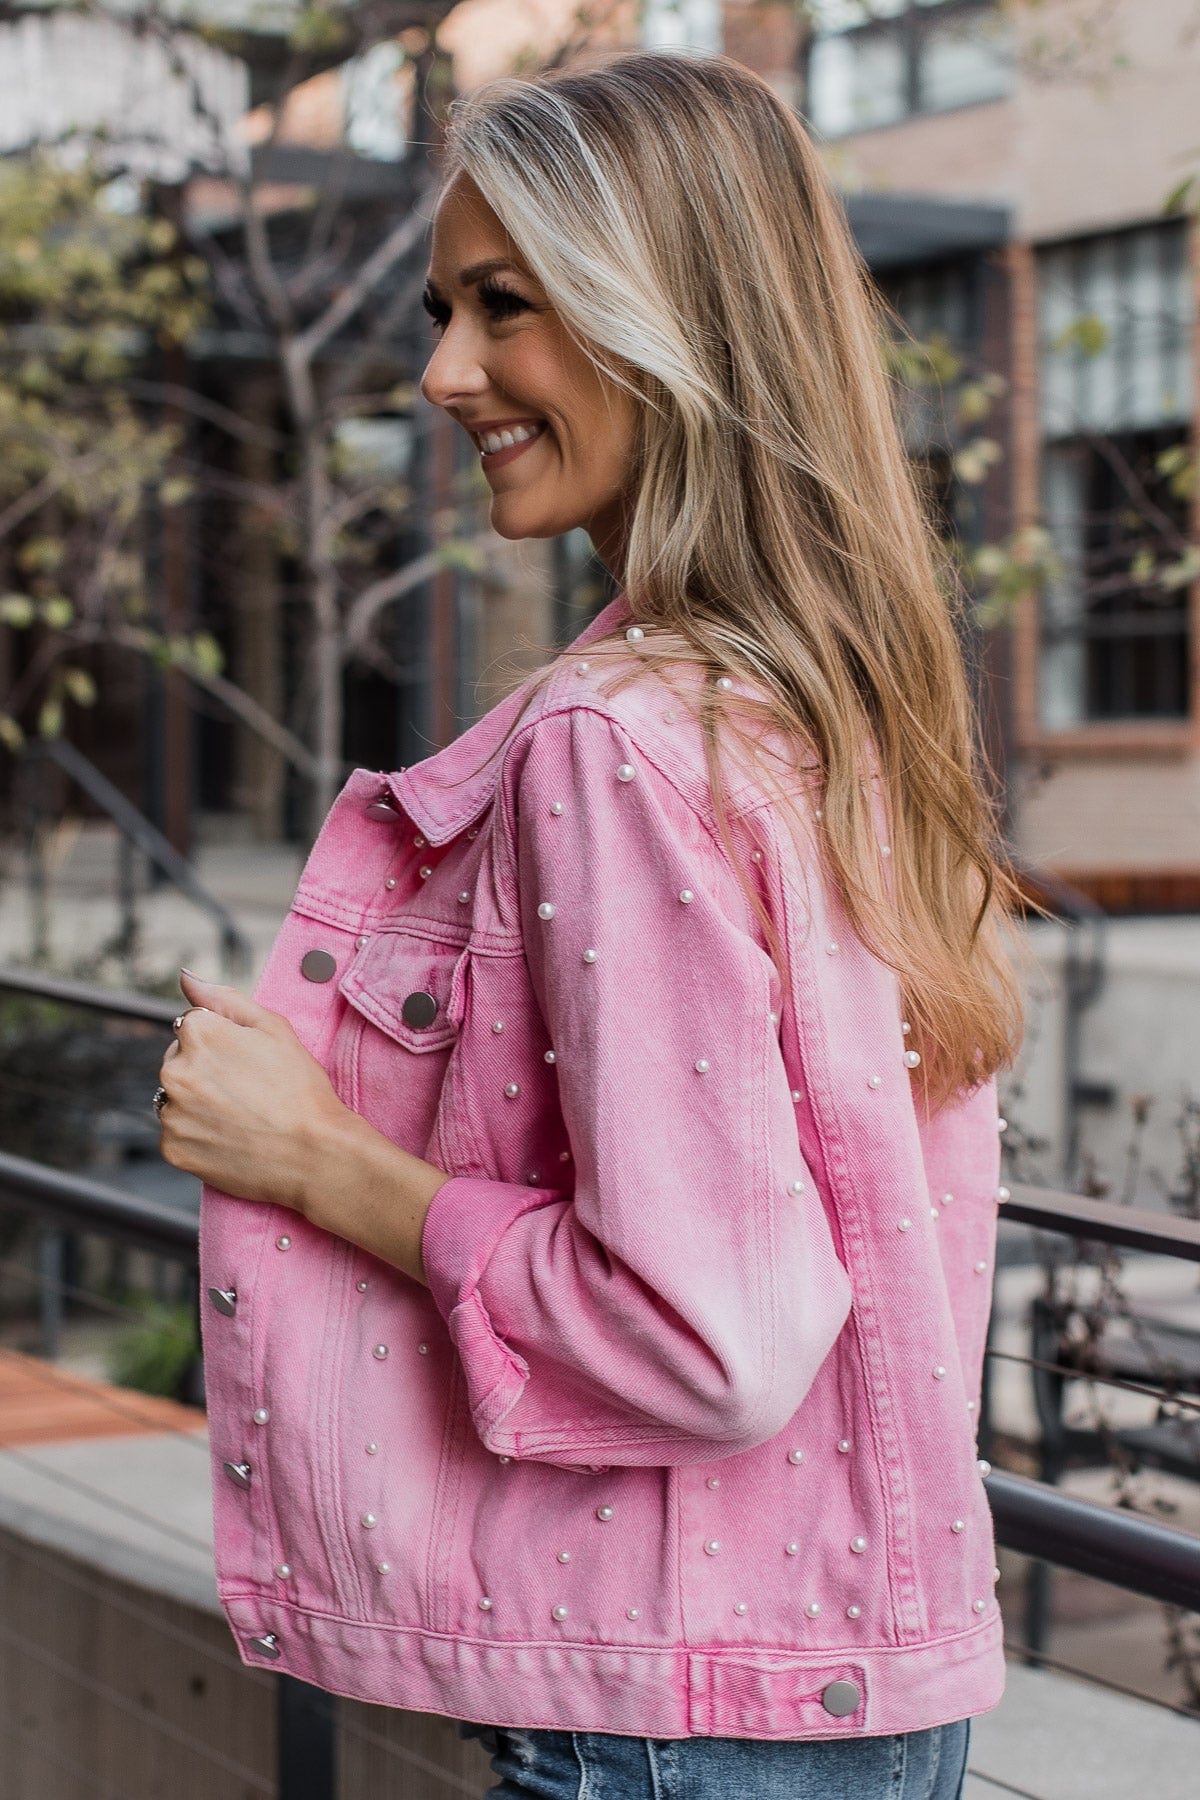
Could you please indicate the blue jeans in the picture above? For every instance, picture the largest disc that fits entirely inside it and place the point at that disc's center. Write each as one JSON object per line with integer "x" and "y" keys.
{"x": 600, "y": 1765}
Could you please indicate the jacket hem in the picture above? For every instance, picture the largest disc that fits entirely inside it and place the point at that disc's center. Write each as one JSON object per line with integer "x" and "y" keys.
{"x": 633, "y": 1690}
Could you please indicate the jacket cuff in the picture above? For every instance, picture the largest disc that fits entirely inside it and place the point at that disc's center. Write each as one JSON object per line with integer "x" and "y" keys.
{"x": 464, "y": 1222}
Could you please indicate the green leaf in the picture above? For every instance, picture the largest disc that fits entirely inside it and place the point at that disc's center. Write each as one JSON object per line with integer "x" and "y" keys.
{"x": 50, "y": 718}
{"x": 16, "y": 609}
{"x": 1182, "y": 196}
{"x": 1086, "y": 333}
{"x": 205, "y": 654}
{"x": 57, "y": 612}
{"x": 80, "y": 686}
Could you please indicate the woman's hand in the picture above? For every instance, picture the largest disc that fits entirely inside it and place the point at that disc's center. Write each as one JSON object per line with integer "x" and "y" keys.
{"x": 246, "y": 1104}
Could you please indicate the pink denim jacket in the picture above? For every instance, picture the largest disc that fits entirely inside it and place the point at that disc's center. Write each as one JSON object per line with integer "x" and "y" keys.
{"x": 679, "y": 1439}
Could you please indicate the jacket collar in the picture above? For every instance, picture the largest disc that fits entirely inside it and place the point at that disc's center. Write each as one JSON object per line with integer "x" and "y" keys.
{"x": 449, "y": 790}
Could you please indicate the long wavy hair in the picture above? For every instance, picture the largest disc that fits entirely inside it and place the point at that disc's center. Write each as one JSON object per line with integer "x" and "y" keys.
{"x": 678, "y": 217}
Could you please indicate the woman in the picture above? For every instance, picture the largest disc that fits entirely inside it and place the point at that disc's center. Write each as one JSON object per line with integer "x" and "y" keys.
{"x": 598, "y": 1269}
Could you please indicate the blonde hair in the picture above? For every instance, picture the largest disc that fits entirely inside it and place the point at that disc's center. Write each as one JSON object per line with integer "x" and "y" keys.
{"x": 677, "y": 215}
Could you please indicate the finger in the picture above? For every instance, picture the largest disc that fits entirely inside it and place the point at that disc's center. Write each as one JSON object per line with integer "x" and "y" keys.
{"x": 212, "y": 996}
{"x": 172, "y": 1049}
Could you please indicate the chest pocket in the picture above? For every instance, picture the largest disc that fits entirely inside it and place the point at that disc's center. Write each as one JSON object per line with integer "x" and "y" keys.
{"x": 409, "y": 987}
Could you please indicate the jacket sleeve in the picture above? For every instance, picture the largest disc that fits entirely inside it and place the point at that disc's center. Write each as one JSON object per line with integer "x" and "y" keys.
{"x": 677, "y": 1302}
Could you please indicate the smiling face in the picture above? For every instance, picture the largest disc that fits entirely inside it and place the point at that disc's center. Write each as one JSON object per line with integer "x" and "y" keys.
{"x": 556, "y": 437}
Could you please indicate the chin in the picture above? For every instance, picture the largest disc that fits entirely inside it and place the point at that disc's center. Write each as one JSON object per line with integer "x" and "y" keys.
{"x": 516, "y": 520}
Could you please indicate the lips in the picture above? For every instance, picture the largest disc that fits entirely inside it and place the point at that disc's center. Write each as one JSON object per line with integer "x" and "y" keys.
{"x": 508, "y": 452}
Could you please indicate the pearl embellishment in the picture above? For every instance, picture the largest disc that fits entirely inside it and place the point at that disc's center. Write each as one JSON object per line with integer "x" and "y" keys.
{"x": 504, "y": 1459}
{"x": 556, "y": 807}
{"x": 724, "y": 682}
{"x": 714, "y": 1481}
{"x": 854, "y": 1612}
{"x": 485, "y": 1604}
{"x": 380, "y": 1351}
{"x": 980, "y": 1268}
{"x": 423, "y": 1349}
{"x": 939, "y": 1371}
{"x": 361, "y": 1286}
{"x": 390, "y": 883}
{"x": 844, "y": 1445}
{"x": 858, "y": 1545}
{"x": 813, "y": 1608}
{"x": 425, "y": 872}
{"x": 512, "y": 1089}
{"x": 589, "y": 956}
{"x": 283, "y": 1243}
{"x": 385, "y": 1568}
{"x": 283, "y": 1570}
{"x": 959, "y": 1525}
{"x": 796, "y": 1094}
{"x": 702, "y": 1065}
{"x": 582, "y": 668}
{"x": 830, "y": 949}
{"x": 740, "y": 1607}
{"x": 261, "y": 1415}
{"x": 370, "y": 1520}
{"x": 911, "y": 1058}
{"x": 979, "y": 1606}
{"x": 604, "y": 1512}
{"x": 1003, "y": 1194}
{"x": 633, "y": 1612}
{"x": 359, "y": 942}
{"x": 371, "y": 1449}
{"x": 626, "y": 772}
{"x": 545, "y": 910}
{"x": 795, "y": 1187}
{"x": 795, "y": 1456}
{"x": 984, "y": 1466}
{"x": 463, "y": 897}
{"x": 792, "y": 1549}
{"x": 497, "y": 1024}
{"x": 903, "y": 1224}
{"x": 873, "y": 1081}
{"x": 559, "y": 1612}
{"x": 687, "y": 896}
{"x": 564, "y": 1556}
{"x": 548, "y": 1056}
{"x": 635, "y": 634}
{"x": 712, "y": 1546}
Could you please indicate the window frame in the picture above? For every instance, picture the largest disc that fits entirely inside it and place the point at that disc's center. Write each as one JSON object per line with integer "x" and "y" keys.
{"x": 912, "y": 26}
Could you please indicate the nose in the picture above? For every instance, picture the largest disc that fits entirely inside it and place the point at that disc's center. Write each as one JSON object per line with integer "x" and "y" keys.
{"x": 453, "y": 373}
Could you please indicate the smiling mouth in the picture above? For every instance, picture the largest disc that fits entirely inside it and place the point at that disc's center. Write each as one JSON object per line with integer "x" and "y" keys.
{"x": 498, "y": 447}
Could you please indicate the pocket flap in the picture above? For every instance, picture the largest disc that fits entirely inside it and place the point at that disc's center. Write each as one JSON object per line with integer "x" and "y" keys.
{"x": 410, "y": 987}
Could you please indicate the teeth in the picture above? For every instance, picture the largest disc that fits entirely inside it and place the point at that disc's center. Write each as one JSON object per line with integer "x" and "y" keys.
{"x": 491, "y": 441}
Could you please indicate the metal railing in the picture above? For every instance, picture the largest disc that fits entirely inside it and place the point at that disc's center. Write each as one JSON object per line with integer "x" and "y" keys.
{"x": 1125, "y": 1549}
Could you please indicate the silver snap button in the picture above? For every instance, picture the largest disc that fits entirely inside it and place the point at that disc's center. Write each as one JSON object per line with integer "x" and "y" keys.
{"x": 382, "y": 808}
{"x": 224, "y": 1299}
{"x": 841, "y": 1697}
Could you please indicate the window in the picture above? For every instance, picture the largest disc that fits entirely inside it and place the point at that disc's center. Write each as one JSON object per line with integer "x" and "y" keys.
{"x": 873, "y": 62}
{"x": 1115, "y": 324}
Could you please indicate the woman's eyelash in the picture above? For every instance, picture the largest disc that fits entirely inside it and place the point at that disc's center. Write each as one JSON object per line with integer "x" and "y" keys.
{"x": 501, "y": 303}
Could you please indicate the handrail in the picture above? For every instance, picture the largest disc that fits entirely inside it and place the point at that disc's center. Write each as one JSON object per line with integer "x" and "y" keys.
{"x": 138, "y": 830}
{"x": 120, "y": 1003}
{"x": 1123, "y": 1548}
{"x": 1077, "y": 1216}
{"x": 94, "y": 1206}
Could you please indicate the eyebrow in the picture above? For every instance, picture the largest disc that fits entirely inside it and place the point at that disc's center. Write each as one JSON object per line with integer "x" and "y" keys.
{"x": 476, "y": 272}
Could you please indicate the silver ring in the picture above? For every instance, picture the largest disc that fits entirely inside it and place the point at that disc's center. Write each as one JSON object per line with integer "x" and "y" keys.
{"x": 161, "y": 1097}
